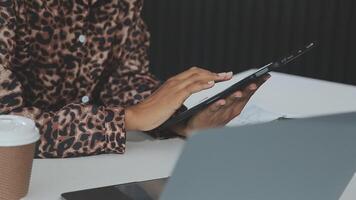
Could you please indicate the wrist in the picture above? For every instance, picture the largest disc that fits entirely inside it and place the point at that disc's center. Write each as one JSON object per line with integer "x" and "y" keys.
{"x": 130, "y": 124}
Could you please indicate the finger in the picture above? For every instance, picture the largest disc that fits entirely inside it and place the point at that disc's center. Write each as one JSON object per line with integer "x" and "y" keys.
{"x": 243, "y": 95}
{"x": 263, "y": 79}
{"x": 253, "y": 87}
{"x": 190, "y": 71}
{"x": 199, "y": 71}
{"x": 217, "y": 106}
{"x": 266, "y": 77}
{"x": 226, "y": 76}
{"x": 237, "y": 101}
{"x": 239, "y": 105}
{"x": 210, "y": 76}
{"x": 237, "y": 95}
{"x": 196, "y": 87}
{"x": 203, "y": 78}
{"x": 234, "y": 97}
{"x": 247, "y": 93}
{"x": 249, "y": 90}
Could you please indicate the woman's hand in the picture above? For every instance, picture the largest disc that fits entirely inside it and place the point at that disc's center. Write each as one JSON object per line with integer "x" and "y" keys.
{"x": 163, "y": 103}
{"x": 221, "y": 112}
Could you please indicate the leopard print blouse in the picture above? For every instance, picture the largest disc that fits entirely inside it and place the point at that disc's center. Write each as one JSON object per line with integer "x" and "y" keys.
{"x": 73, "y": 66}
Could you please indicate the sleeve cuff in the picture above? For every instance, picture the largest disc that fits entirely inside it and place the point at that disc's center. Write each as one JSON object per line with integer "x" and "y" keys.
{"x": 115, "y": 130}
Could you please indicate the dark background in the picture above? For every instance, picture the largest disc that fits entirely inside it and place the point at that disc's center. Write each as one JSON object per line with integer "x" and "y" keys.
{"x": 236, "y": 35}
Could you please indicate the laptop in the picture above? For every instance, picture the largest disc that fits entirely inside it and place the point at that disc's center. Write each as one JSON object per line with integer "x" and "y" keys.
{"x": 309, "y": 159}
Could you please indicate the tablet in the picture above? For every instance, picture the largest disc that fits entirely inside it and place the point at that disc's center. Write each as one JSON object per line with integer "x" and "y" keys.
{"x": 145, "y": 190}
{"x": 223, "y": 90}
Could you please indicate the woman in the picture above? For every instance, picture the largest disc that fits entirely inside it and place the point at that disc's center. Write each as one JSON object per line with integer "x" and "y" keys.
{"x": 79, "y": 69}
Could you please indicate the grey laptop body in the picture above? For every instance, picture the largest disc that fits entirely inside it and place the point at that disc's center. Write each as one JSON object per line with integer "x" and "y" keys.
{"x": 308, "y": 159}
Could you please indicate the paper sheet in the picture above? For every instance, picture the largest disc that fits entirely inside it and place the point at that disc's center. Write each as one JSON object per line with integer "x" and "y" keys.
{"x": 253, "y": 114}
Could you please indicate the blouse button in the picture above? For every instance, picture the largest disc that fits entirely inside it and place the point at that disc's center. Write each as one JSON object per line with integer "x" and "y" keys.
{"x": 82, "y": 38}
{"x": 85, "y": 99}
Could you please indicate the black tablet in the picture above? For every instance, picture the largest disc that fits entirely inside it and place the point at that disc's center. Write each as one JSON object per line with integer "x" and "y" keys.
{"x": 145, "y": 190}
{"x": 239, "y": 85}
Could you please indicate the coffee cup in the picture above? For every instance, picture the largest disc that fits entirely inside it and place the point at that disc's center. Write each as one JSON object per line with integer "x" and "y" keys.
{"x": 18, "y": 137}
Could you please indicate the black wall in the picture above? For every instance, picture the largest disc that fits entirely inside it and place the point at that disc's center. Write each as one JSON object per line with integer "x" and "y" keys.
{"x": 237, "y": 35}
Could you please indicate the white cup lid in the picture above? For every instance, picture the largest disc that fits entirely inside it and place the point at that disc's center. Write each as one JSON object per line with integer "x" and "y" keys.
{"x": 17, "y": 131}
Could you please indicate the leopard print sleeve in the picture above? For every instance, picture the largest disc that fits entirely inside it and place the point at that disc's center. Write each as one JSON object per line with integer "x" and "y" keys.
{"x": 10, "y": 91}
{"x": 77, "y": 130}
{"x": 74, "y": 130}
{"x": 131, "y": 81}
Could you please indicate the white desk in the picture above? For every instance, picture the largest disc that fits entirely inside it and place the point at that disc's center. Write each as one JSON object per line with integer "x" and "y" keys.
{"x": 147, "y": 159}
{"x": 306, "y": 97}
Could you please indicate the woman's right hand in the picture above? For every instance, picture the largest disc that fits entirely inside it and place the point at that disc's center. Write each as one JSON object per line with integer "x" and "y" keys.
{"x": 163, "y": 103}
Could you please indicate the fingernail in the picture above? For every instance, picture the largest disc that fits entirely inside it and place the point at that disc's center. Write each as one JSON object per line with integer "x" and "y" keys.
{"x": 211, "y": 82}
{"x": 238, "y": 95}
{"x": 229, "y": 74}
{"x": 253, "y": 87}
{"x": 222, "y": 74}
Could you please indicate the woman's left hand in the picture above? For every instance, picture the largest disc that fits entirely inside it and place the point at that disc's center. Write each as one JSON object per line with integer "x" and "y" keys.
{"x": 221, "y": 112}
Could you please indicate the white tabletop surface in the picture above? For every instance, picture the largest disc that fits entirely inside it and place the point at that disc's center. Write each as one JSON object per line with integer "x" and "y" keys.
{"x": 149, "y": 159}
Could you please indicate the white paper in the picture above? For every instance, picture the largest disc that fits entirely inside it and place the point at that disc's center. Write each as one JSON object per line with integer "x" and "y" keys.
{"x": 253, "y": 114}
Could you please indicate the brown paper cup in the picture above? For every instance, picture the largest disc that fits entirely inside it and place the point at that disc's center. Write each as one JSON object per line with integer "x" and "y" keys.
{"x": 18, "y": 138}
{"x": 15, "y": 171}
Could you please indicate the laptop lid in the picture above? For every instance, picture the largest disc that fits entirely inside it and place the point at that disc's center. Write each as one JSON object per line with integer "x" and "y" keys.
{"x": 298, "y": 159}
